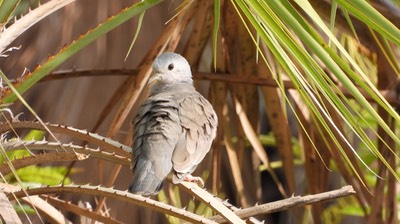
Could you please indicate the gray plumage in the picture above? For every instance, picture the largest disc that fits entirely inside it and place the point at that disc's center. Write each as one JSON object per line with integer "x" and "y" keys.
{"x": 174, "y": 127}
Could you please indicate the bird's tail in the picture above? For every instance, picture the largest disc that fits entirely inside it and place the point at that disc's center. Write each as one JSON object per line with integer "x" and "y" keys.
{"x": 145, "y": 182}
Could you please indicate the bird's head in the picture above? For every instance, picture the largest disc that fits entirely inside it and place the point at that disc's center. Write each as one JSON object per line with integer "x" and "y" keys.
{"x": 171, "y": 68}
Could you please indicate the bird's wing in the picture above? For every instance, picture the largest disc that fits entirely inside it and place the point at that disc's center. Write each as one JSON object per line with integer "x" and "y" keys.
{"x": 156, "y": 132}
{"x": 199, "y": 123}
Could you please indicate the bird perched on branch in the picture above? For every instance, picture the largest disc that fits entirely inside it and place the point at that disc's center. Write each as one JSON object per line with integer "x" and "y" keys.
{"x": 173, "y": 130}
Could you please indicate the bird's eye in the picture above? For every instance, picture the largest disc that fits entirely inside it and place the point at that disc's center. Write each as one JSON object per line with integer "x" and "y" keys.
{"x": 170, "y": 67}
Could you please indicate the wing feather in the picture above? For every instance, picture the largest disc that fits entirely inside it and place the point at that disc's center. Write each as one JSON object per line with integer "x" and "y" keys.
{"x": 199, "y": 123}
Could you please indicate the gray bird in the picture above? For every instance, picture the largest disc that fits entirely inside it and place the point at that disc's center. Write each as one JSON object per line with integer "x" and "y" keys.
{"x": 173, "y": 130}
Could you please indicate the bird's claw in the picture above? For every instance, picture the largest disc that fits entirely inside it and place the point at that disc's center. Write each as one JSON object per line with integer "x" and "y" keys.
{"x": 196, "y": 180}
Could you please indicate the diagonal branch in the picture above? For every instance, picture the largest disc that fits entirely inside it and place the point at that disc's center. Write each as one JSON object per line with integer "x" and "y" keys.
{"x": 7, "y": 212}
{"x": 34, "y": 16}
{"x": 201, "y": 194}
{"x": 68, "y": 206}
{"x": 288, "y": 203}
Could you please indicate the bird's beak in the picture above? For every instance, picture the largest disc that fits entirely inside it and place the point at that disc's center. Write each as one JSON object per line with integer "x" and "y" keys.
{"x": 155, "y": 76}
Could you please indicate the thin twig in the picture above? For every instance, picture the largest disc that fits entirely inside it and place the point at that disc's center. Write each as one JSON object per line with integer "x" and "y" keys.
{"x": 288, "y": 203}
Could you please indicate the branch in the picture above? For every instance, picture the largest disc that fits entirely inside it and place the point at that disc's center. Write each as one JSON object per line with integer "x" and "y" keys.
{"x": 105, "y": 143}
{"x": 115, "y": 194}
{"x": 7, "y": 212}
{"x": 34, "y": 16}
{"x": 212, "y": 202}
{"x": 70, "y": 207}
{"x": 288, "y": 203}
{"x": 41, "y": 158}
{"x": 222, "y": 77}
{"x": 46, "y": 210}
{"x": 81, "y": 151}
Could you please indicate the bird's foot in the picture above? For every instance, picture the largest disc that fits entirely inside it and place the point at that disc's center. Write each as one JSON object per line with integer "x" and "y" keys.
{"x": 196, "y": 180}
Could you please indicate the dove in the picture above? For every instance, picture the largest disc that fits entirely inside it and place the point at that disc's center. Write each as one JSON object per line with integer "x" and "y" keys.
{"x": 173, "y": 129}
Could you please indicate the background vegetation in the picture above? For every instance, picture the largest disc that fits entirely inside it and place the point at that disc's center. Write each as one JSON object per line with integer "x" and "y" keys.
{"x": 307, "y": 94}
